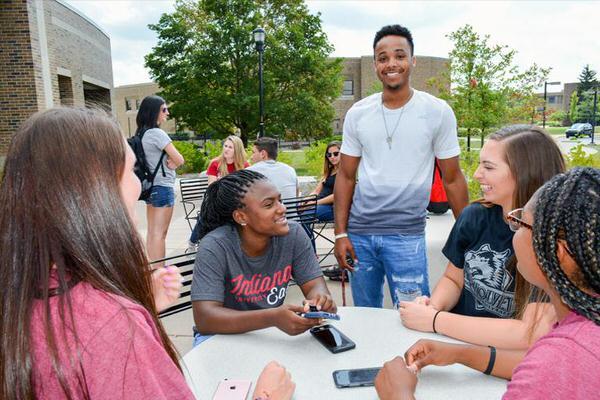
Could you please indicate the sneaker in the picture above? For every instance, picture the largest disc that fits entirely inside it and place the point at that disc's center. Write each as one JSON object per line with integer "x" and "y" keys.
{"x": 192, "y": 247}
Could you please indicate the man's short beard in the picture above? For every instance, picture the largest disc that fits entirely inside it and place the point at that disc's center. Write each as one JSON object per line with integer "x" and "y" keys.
{"x": 394, "y": 87}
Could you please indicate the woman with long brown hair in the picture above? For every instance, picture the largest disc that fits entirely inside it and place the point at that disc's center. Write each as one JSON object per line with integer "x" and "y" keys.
{"x": 79, "y": 304}
{"x": 482, "y": 298}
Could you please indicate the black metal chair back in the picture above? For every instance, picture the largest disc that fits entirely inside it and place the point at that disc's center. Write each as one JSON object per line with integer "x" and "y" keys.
{"x": 192, "y": 194}
{"x": 185, "y": 263}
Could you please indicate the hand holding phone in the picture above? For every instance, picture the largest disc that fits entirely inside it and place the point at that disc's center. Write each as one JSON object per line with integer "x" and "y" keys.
{"x": 347, "y": 378}
{"x": 320, "y": 315}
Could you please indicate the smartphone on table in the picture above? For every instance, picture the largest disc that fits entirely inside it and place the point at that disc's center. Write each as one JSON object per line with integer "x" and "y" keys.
{"x": 333, "y": 340}
{"x": 347, "y": 378}
{"x": 233, "y": 389}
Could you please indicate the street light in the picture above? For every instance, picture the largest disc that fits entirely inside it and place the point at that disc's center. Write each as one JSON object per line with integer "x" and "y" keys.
{"x": 544, "y": 110}
{"x": 259, "y": 40}
{"x": 594, "y": 112}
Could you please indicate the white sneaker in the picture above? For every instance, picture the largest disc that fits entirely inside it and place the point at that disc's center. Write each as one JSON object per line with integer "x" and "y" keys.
{"x": 192, "y": 247}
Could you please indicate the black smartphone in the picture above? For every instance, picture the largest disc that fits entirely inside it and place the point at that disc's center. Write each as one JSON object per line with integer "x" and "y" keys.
{"x": 333, "y": 340}
{"x": 346, "y": 378}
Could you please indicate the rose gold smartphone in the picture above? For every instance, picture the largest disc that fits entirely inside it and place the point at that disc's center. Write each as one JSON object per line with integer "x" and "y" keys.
{"x": 233, "y": 389}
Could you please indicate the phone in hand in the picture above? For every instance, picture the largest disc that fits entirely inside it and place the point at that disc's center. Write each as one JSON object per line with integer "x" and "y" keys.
{"x": 333, "y": 340}
{"x": 320, "y": 314}
{"x": 347, "y": 378}
{"x": 233, "y": 389}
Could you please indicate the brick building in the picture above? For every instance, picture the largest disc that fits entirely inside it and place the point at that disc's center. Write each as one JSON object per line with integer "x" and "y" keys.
{"x": 50, "y": 55}
{"x": 127, "y": 102}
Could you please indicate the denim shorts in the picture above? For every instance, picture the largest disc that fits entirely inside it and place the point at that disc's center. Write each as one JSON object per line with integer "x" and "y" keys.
{"x": 161, "y": 196}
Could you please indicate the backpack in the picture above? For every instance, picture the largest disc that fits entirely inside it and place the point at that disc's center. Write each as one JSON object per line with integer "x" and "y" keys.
{"x": 438, "y": 201}
{"x": 140, "y": 167}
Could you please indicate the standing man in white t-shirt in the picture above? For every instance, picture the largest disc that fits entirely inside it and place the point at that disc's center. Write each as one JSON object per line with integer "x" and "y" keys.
{"x": 391, "y": 139}
{"x": 264, "y": 160}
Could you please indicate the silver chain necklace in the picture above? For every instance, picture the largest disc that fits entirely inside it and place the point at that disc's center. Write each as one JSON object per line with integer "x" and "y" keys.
{"x": 388, "y": 137}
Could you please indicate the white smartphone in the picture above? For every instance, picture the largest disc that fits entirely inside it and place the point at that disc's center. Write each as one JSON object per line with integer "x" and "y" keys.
{"x": 233, "y": 389}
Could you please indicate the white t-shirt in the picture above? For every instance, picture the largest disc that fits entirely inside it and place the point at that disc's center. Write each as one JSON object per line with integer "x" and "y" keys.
{"x": 281, "y": 175}
{"x": 393, "y": 187}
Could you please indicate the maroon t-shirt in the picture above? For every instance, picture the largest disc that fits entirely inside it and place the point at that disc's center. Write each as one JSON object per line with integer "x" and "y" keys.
{"x": 120, "y": 351}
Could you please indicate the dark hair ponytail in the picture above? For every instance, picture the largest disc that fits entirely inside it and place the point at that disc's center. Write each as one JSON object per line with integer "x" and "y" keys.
{"x": 225, "y": 196}
{"x": 567, "y": 208}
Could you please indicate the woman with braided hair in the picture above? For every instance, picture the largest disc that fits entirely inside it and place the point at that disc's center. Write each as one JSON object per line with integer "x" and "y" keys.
{"x": 557, "y": 242}
{"x": 248, "y": 253}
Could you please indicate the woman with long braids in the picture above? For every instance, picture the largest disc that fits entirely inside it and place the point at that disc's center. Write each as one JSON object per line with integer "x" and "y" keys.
{"x": 79, "y": 300}
{"x": 481, "y": 298}
{"x": 247, "y": 255}
{"x": 557, "y": 242}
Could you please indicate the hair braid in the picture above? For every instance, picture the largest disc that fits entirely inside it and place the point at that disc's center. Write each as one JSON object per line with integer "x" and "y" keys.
{"x": 225, "y": 196}
{"x": 568, "y": 208}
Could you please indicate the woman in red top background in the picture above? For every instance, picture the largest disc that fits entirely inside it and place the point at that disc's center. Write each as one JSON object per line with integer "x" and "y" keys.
{"x": 232, "y": 158}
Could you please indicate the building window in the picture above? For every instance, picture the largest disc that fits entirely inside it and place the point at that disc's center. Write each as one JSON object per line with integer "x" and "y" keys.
{"x": 551, "y": 99}
{"x": 348, "y": 88}
{"x": 129, "y": 104}
{"x": 137, "y": 104}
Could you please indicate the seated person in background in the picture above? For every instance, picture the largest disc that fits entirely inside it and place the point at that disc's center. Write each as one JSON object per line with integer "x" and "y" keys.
{"x": 481, "y": 291}
{"x": 557, "y": 245}
{"x": 80, "y": 302}
{"x": 264, "y": 159}
{"x": 248, "y": 253}
{"x": 324, "y": 189}
{"x": 232, "y": 158}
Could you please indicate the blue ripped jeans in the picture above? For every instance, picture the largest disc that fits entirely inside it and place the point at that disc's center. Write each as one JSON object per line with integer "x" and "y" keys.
{"x": 402, "y": 259}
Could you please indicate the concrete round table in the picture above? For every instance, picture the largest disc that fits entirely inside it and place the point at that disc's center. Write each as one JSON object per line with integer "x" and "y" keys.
{"x": 379, "y": 336}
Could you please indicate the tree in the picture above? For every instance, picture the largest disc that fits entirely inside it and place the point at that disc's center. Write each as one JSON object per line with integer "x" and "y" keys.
{"x": 207, "y": 66}
{"x": 483, "y": 85}
{"x": 583, "y": 109}
{"x": 587, "y": 80}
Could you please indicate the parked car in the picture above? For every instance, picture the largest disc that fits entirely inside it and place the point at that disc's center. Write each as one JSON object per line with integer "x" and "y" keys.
{"x": 579, "y": 129}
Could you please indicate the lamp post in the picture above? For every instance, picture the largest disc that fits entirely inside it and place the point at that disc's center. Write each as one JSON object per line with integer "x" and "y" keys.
{"x": 594, "y": 112}
{"x": 544, "y": 110}
{"x": 259, "y": 41}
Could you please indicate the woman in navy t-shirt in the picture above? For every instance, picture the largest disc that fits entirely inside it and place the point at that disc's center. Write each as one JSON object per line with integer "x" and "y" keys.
{"x": 481, "y": 279}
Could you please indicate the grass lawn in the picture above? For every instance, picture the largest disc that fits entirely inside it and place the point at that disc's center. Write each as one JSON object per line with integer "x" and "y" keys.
{"x": 297, "y": 161}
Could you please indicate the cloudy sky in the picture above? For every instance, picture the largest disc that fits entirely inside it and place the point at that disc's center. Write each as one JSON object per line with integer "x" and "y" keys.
{"x": 558, "y": 34}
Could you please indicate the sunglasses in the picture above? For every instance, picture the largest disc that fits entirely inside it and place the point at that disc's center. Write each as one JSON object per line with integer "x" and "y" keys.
{"x": 332, "y": 154}
{"x": 165, "y": 109}
{"x": 515, "y": 220}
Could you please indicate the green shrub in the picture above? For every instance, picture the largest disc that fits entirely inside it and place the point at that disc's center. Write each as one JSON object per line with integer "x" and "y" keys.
{"x": 577, "y": 157}
{"x": 469, "y": 161}
{"x": 195, "y": 162}
{"x": 314, "y": 157}
{"x": 213, "y": 149}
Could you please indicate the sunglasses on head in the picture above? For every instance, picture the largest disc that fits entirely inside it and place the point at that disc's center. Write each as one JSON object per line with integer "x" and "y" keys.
{"x": 333, "y": 153}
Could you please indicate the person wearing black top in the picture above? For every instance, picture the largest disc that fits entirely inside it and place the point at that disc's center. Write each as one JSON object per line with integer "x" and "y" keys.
{"x": 324, "y": 189}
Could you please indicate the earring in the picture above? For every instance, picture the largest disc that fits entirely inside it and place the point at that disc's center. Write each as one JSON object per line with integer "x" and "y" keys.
{"x": 243, "y": 224}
